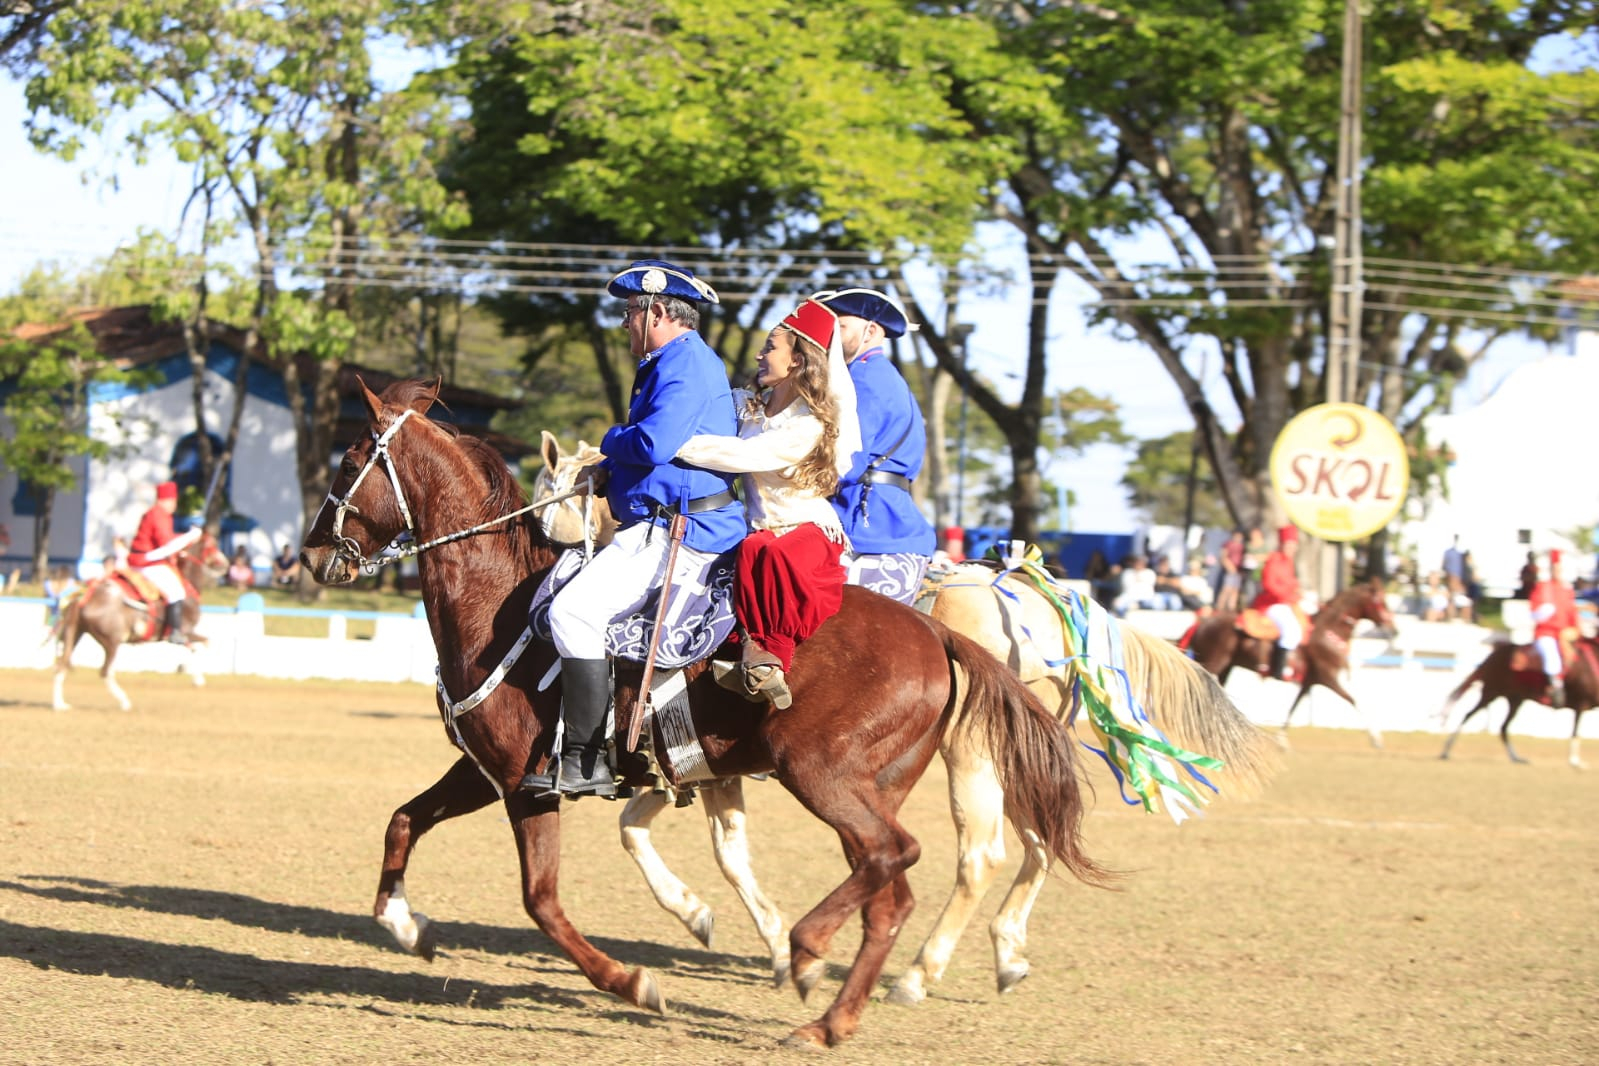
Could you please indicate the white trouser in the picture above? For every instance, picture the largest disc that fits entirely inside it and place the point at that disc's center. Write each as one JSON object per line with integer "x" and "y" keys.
{"x": 1549, "y": 650}
{"x": 616, "y": 583}
{"x": 1289, "y": 629}
{"x": 166, "y": 579}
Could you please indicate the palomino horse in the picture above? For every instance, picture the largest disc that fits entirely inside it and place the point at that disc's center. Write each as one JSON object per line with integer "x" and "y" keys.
{"x": 1322, "y": 658}
{"x": 1014, "y": 616}
{"x": 858, "y": 736}
{"x": 1515, "y": 672}
{"x": 109, "y": 611}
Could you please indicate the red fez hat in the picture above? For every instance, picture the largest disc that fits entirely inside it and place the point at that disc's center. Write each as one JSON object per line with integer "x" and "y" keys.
{"x": 954, "y": 533}
{"x": 167, "y": 490}
{"x": 814, "y": 322}
{"x": 1288, "y": 534}
{"x": 1554, "y": 556}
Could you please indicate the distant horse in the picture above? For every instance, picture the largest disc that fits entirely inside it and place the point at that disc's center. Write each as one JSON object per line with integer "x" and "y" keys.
{"x": 1515, "y": 672}
{"x": 113, "y": 611}
{"x": 1322, "y": 658}
{"x": 859, "y": 734}
{"x": 1011, "y": 614}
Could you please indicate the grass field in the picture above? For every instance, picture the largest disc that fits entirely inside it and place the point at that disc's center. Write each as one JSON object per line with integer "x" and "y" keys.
{"x": 192, "y": 882}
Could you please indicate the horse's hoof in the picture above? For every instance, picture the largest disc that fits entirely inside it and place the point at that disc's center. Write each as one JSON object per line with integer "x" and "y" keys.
{"x": 904, "y": 994}
{"x": 807, "y": 975}
{"x": 703, "y": 925}
{"x": 1376, "y": 741}
{"x": 780, "y": 972}
{"x": 61, "y": 707}
{"x": 806, "y": 1038}
{"x": 1012, "y": 975}
{"x": 647, "y": 992}
{"x": 199, "y": 681}
{"x": 427, "y": 939}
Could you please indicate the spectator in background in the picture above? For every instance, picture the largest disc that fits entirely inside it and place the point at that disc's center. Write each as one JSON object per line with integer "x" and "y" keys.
{"x": 1103, "y": 577}
{"x": 1471, "y": 589}
{"x": 1168, "y": 587}
{"x": 1230, "y": 578}
{"x": 241, "y": 575}
{"x": 1529, "y": 577}
{"x": 1194, "y": 587}
{"x": 1435, "y": 598}
{"x": 1137, "y": 586}
{"x": 286, "y": 567}
{"x": 1454, "y": 576}
{"x": 1255, "y": 553}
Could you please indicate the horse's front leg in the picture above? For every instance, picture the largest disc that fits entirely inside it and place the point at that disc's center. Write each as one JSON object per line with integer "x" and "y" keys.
{"x": 724, "y": 810}
{"x": 462, "y": 790}
{"x": 675, "y": 897}
{"x": 67, "y": 641}
{"x": 108, "y": 673}
{"x": 537, "y": 825}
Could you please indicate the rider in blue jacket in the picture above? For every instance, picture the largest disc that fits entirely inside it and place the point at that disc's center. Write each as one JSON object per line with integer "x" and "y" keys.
{"x": 680, "y": 390}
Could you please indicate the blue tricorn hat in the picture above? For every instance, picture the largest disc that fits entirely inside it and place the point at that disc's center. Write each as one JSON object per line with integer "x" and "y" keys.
{"x": 657, "y": 277}
{"x": 868, "y": 304}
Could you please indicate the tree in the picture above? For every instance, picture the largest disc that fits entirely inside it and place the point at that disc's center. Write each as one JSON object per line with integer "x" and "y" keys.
{"x": 289, "y": 130}
{"x": 1167, "y": 476}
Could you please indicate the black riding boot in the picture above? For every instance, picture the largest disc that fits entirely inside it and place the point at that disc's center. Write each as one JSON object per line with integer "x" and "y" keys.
{"x": 172, "y": 624}
{"x": 1279, "y": 661}
{"x": 585, "y": 766}
{"x": 1557, "y": 693}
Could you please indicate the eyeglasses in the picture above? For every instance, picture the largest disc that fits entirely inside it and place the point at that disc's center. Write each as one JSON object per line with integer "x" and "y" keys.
{"x": 629, "y": 311}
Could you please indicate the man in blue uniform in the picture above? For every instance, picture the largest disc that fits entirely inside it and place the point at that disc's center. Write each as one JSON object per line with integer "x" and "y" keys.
{"x": 679, "y": 390}
{"x": 891, "y": 541}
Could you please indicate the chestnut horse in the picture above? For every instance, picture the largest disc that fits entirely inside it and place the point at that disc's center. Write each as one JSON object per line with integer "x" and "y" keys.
{"x": 1015, "y": 614}
{"x": 1322, "y": 658}
{"x": 860, "y": 733}
{"x": 1515, "y": 673}
{"x": 107, "y": 611}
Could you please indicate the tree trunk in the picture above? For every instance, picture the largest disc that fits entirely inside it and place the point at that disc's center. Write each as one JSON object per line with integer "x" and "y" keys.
{"x": 41, "y": 533}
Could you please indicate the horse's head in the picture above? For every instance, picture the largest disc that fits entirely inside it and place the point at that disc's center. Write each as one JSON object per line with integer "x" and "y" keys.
{"x": 577, "y": 518}
{"x": 367, "y": 508}
{"x": 1372, "y": 605}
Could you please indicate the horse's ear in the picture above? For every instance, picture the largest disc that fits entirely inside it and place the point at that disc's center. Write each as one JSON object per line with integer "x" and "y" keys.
{"x": 374, "y": 406}
{"x": 550, "y": 450}
{"x": 428, "y": 397}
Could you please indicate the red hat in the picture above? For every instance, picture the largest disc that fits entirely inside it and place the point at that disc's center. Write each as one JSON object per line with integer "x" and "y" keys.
{"x": 815, "y": 322}
{"x": 1554, "y": 556}
{"x": 167, "y": 490}
{"x": 1288, "y": 535}
{"x": 954, "y": 533}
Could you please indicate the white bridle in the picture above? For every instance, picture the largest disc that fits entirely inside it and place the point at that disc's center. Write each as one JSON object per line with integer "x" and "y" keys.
{"x": 346, "y": 548}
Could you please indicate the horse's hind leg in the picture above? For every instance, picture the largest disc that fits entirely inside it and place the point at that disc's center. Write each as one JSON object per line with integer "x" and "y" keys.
{"x": 724, "y": 811}
{"x": 1372, "y": 731}
{"x": 977, "y": 805}
{"x": 462, "y": 790}
{"x": 1574, "y": 757}
{"x": 1449, "y": 744}
{"x": 1008, "y": 930}
{"x": 1504, "y": 730}
{"x": 109, "y": 673}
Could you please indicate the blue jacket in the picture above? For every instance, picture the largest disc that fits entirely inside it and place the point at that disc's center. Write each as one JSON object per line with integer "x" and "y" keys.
{"x": 680, "y": 390}
{"x": 888, "y": 521}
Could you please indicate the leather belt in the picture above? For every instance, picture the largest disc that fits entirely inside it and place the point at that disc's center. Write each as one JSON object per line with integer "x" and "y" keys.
{"x": 884, "y": 477}
{"x": 695, "y": 506}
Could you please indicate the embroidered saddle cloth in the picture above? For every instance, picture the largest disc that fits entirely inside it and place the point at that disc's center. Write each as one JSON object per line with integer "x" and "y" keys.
{"x": 699, "y": 614}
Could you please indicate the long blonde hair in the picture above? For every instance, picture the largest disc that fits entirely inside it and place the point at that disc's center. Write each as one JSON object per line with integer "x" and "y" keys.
{"x": 818, "y": 471}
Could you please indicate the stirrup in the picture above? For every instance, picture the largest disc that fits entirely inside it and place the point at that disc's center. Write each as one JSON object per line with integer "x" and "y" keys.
{"x": 766, "y": 682}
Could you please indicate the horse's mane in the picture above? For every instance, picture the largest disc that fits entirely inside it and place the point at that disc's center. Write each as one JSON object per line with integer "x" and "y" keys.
{"x": 525, "y": 533}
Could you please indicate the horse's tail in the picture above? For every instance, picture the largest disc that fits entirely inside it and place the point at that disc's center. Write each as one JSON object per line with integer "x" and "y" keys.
{"x": 1033, "y": 754}
{"x": 1195, "y": 712}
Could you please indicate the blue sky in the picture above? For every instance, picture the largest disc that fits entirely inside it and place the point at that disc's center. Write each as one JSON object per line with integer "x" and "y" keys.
{"x": 73, "y": 213}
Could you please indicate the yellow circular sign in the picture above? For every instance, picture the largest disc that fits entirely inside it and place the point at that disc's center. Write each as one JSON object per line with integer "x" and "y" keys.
{"x": 1340, "y": 470}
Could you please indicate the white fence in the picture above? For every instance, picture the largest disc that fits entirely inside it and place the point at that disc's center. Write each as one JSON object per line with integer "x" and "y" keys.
{"x": 1400, "y": 686}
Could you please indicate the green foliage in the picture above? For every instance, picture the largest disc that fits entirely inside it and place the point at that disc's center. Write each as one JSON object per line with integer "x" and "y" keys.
{"x": 1157, "y": 483}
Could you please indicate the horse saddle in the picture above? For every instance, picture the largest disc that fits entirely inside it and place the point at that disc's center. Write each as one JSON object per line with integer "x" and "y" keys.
{"x": 698, "y": 619}
{"x": 1254, "y": 622}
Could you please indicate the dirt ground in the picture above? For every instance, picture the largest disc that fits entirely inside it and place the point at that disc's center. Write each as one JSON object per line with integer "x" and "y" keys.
{"x": 192, "y": 882}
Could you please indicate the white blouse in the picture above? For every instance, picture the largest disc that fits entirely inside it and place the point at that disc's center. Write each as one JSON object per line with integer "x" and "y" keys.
{"x": 765, "y": 453}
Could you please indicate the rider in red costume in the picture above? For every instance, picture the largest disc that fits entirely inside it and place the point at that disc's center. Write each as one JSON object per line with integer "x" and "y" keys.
{"x": 1279, "y": 598}
{"x": 1554, "y": 615}
{"x": 153, "y": 547}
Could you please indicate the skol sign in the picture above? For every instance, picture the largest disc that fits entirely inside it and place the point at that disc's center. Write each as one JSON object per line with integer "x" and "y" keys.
{"x": 1340, "y": 470}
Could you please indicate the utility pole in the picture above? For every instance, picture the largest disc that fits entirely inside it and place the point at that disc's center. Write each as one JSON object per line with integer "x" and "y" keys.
{"x": 1343, "y": 341}
{"x": 1343, "y": 338}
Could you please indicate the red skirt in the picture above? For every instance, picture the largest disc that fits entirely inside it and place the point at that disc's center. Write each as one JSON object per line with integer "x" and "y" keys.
{"x": 787, "y": 586}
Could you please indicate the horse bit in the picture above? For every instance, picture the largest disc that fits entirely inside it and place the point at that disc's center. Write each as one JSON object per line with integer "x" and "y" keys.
{"x": 345, "y": 547}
